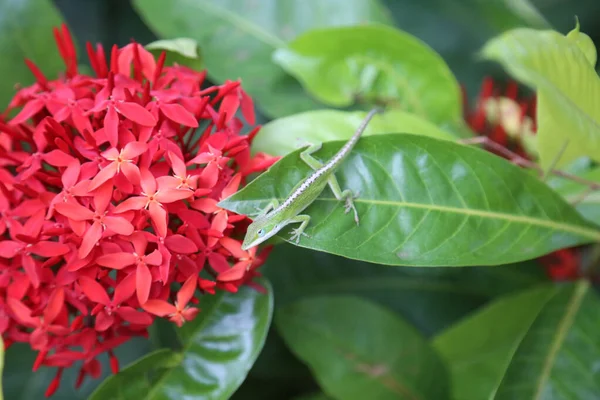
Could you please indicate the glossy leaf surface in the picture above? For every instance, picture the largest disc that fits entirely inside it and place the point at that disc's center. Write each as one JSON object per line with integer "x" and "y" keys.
{"x": 284, "y": 135}
{"x": 376, "y": 62}
{"x": 218, "y": 349}
{"x": 26, "y": 32}
{"x": 538, "y": 344}
{"x": 429, "y": 298}
{"x": 568, "y": 89}
{"x": 357, "y": 349}
{"x": 425, "y": 202}
{"x": 237, "y": 38}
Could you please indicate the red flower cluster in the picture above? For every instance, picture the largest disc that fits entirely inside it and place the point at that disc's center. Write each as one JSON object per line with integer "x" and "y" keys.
{"x": 506, "y": 119}
{"x": 108, "y": 202}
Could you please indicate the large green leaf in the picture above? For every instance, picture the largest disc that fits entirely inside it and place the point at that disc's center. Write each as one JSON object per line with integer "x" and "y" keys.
{"x": 568, "y": 88}
{"x": 426, "y": 202}
{"x": 428, "y": 298}
{"x": 26, "y": 32}
{"x": 219, "y": 347}
{"x": 237, "y": 38}
{"x": 358, "y": 350}
{"x": 377, "y": 64}
{"x": 539, "y": 344}
{"x": 284, "y": 135}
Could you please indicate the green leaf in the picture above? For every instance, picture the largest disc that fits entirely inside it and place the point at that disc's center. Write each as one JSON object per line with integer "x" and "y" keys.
{"x": 585, "y": 43}
{"x": 284, "y": 135}
{"x": 183, "y": 51}
{"x": 137, "y": 377}
{"x": 237, "y": 38}
{"x": 219, "y": 347}
{"x": 568, "y": 91}
{"x": 184, "y": 46}
{"x": 538, "y": 344}
{"x": 26, "y": 32}
{"x": 428, "y": 298}
{"x": 357, "y": 350}
{"x": 425, "y": 202}
{"x": 377, "y": 64}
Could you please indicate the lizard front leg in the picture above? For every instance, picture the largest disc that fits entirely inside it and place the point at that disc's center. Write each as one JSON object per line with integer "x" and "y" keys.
{"x": 299, "y": 231}
{"x": 273, "y": 204}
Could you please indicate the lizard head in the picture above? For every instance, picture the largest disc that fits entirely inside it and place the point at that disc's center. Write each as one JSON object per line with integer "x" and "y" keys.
{"x": 260, "y": 230}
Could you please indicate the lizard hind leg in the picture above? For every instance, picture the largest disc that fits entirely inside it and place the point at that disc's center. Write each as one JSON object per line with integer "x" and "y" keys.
{"x": 347, "y": 196}
{"x": 307, "y": 157}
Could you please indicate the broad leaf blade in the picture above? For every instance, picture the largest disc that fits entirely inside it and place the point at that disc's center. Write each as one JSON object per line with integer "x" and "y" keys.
{"x": 359, "y": 350}
{"x": 375, "y": 63}
{"x": 586, "y": 201}
{"x": 428, "y": 298}
{"x": 568, "y": 110}
{"x": 284, "y": 135}
{"x": 425, "y": 202}
{"x": 26, "y": 32}
{"x": 237, "y": 38}
{"x": 533, "y": 345}
{"x": 219, "y": 348}
{"x": 137, "y": 377}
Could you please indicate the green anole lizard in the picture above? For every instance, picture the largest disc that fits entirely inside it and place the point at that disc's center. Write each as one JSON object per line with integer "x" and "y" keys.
{"x": 274, "y": 217}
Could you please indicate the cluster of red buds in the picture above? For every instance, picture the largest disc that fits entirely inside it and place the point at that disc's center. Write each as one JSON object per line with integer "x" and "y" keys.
{"x": 109, "y": 186}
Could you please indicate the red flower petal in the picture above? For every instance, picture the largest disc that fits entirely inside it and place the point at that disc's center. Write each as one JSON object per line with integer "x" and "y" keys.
{"x": 49, "y": 249}
{"x": 136, "y": 113}
{"x": 74, "y": 211}
{"x": 154, "y": 258}
{"x": 172, "y": 195}
{"x": 159, "y": 218}
{"x": 9, "y": 249}
{"x": 132, "y": 203}
{"x": 131, "y": 172}
{"x": 111, "y": 126}
{"x": 133, "y": 316}
{"x": 90, "y": 239}
{"x": 186, "y": 292}
{"x": 55, "y": 305}
{"x": 104, "y": 321}
{"x": 116, "y": 260}
{"x": 180, "y": 244}
{"x": 143, "y": 281}
{"x": 159, "y": 307}
{"x": 177, "y": 113}
{"x": 94, "y": 291}
{"x": 134, "y": 149}
{"x": 125, "y": 289}
{"x": 104, "y": 175}
{"x": 119, "y": 225}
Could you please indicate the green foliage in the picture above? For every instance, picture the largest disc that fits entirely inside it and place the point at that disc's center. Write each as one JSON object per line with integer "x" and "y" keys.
{"x": 217, "y": 350}
{"x": 284, "y": 135}
{"x": 25, "y": 32}
{"x": 538, "y": 344}
{"x": 350, "y": 321}
{"x": 426, "y": 202}
{"x": 376, "y": 64}
{"x": 568, "y": 90}
{"x": 237, "y": 38}
{"x": 359, "y": 350}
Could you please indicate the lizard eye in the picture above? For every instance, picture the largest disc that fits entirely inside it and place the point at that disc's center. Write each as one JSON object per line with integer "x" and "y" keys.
{"x": 261, "y": 232}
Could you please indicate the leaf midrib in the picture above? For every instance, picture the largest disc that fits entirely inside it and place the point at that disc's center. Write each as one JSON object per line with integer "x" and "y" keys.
{"x": 565, "y": 323}
{"x": 593, "y": 234}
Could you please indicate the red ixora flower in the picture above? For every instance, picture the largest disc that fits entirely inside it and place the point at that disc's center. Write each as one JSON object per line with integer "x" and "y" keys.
{"x": 108, "y": 202}
{"x": 508, "y": 119}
